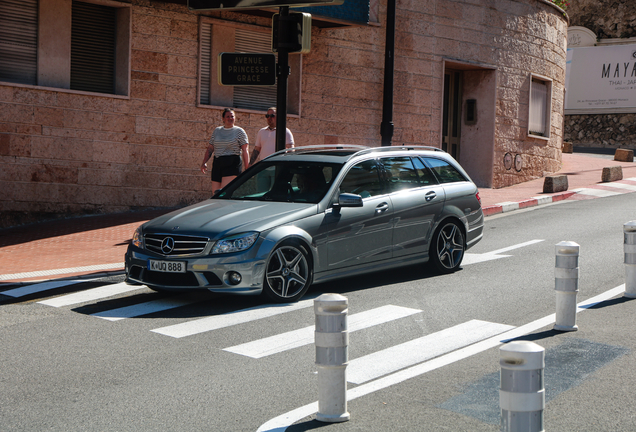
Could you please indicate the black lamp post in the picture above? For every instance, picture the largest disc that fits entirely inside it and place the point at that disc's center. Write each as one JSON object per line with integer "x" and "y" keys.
{"x": 386, "y": 128}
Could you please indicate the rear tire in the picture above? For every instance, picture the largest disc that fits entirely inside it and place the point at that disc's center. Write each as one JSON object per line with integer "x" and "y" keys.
{"x": 447, "y": 247}
{"x": 288, "y": 273}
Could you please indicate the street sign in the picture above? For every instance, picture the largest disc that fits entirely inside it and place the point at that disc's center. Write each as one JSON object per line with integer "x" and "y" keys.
{"x": 256, "y": 4}
{"x": 247, "y": 69}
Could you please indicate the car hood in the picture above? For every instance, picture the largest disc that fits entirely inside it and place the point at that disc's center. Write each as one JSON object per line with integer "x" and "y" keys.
{"x": 215, "y": 218}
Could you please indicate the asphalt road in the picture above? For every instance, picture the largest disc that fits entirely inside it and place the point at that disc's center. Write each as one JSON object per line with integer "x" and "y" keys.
{"x": 93, "y": 357}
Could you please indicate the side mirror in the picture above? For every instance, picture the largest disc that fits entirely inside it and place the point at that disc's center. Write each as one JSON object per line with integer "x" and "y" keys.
{"x": 349, "y": 200}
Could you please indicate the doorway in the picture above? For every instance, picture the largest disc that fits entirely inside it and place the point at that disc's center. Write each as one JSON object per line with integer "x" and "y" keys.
{"x": 451, "y": 113}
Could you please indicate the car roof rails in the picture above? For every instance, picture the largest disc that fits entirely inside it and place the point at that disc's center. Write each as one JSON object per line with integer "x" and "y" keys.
{"x": 401, "y": 147}
{"x": 356, "y": 149}
{"x": 322, "y": 147}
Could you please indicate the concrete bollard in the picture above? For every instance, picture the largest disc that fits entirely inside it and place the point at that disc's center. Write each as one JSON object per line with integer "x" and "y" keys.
{"x": 566, "y": 284}
{"x": 522, "y": 392}
{"x": 629, "y": 246}
{"x": 332, "y": 355}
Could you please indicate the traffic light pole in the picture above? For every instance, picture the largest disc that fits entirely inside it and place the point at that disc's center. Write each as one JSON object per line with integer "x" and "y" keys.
{"x": 283, "y": 74}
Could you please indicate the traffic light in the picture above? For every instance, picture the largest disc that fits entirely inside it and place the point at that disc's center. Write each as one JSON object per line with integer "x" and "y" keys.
{"x": 298, "y": 32}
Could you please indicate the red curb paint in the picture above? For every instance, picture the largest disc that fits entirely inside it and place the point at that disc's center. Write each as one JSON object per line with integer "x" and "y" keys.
{"x": 528, "y": 203}
{"x": 491, "y": 210}
{"x": 562, "y": 196}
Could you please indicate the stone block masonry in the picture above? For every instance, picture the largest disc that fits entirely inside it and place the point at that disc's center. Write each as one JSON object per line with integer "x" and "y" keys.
{"x": 558, "y": 183}
{"x": 611, "y": 174}
{"x": 623, "y": 155}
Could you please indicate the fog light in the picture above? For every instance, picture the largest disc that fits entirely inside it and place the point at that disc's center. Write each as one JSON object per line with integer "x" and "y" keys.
{"x": 234, "y": 278}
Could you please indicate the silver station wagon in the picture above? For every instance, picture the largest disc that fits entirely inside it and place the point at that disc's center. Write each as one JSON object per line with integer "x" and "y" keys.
{"x": 312, "y": 214}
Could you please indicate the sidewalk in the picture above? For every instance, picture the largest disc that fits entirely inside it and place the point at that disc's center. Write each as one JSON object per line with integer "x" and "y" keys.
{"x": 95, "y": 245}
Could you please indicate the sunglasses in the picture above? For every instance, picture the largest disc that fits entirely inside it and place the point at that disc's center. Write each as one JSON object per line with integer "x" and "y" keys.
{"x": 270, "y": 115}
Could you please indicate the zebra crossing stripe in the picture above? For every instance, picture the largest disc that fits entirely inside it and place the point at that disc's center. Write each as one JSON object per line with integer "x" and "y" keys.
{"x": 40, "y": 287}
{"x": 305, "y": 336}
{"x": 90, "y": 295}
{"x": 144, "y": 308}
{"x": 380, "y": 363}
{"x": 283, "y": 421}
{"x": 216, "y": 322}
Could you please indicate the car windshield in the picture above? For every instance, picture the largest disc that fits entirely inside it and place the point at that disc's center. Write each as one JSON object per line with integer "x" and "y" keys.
{"x": 283, "y": 181}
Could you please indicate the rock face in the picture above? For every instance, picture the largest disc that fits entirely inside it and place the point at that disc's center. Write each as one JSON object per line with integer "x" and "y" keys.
{"x": 600, "y": 130}
{"x": 607, "y": 19}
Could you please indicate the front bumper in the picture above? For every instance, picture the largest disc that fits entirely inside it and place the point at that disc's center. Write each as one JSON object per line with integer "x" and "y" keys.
{"x": 207, "y": 272}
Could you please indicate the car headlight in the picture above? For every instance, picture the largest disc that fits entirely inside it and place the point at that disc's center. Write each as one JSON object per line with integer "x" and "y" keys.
{"x": 138, "y": 239}
{"x": 235, "y": 243}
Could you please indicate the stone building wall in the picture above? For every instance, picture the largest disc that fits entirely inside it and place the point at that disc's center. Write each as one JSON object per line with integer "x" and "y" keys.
{"x": 608, "y": 19}
{"x": 72, "y": 153}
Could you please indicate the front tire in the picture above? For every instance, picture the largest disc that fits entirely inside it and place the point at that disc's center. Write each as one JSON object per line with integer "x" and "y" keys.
{"x": 447, "y": 248}
{"x": 288, "y": 274}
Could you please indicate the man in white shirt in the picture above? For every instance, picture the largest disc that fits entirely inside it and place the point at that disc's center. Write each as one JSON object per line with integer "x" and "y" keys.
{"x": 265, "y": 143}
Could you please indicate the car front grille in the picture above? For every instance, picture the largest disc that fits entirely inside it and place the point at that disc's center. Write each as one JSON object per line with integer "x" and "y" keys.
{"x": 171, "y": 245}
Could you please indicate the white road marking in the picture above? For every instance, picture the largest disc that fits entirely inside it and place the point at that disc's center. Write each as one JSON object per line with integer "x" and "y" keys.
{"x": 418, "y": 350}
{"x": 601, "y": 193}
{"x": 144, "y": 308}
{"x": 40, "y": 287}
{"x": 115, "y": 266}
{"x": 618, "y": 185}
{"x": 470, "y": 258}
{"x": 282, "y": 422}
{"x": 229, "y": 319}
{"x": 305, "y": 336}
{"x": 90, "y": 295}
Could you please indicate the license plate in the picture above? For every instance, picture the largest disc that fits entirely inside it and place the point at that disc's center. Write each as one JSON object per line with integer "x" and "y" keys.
{"x": 167, "y": 266}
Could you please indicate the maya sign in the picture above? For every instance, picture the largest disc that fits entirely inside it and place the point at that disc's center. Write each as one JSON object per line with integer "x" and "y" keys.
{"x": 601, "y": 78}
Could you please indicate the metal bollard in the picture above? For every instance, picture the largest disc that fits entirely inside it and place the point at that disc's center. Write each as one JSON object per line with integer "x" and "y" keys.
{"x": 629, "y": 245}
{"x": 566, "y": 284}
{"x": 522, "y": 392}
{"x": 332, "y": 355}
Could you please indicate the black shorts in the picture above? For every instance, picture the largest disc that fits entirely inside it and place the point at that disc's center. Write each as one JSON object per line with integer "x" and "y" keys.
{"x": 225, "y": 166}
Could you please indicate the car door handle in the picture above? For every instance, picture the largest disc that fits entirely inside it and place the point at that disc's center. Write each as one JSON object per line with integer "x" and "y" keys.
{"x": 382, "y": 208}
{"x": 430, "y": 196}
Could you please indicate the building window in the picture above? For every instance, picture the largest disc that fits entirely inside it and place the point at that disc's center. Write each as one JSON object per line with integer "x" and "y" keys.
{"x": 217, "y": 37}
{"x": 93, "y": 47}
{"x": 66, "y": 44}
{"x": 540, "y": 107}
{"x": 18, "y": 41}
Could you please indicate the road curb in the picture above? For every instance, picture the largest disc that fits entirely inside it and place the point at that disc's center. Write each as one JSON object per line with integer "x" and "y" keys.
{"x": 508, "y": 206}
{"x": 18, "y": 283}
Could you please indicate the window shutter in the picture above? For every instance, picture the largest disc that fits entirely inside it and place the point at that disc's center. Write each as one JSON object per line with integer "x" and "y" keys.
{"x": 254, "y": 97}
{"x": 206, "y": 61}
{"x": 93, "y": 48}
{"x": 18, "y": 41}
{"x": 538, "y": 107}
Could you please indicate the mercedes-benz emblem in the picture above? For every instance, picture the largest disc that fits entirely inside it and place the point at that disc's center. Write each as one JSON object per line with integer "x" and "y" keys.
{"x": 167, "y": 245}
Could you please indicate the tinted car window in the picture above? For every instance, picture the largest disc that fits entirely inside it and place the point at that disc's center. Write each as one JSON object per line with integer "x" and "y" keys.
{"x": 425, "y": 174}
{"x": 283, "y": 181}
{"x": 362, "y": 179}
{"x": 399, "y": 173}
{"x": 445, "y": 172}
